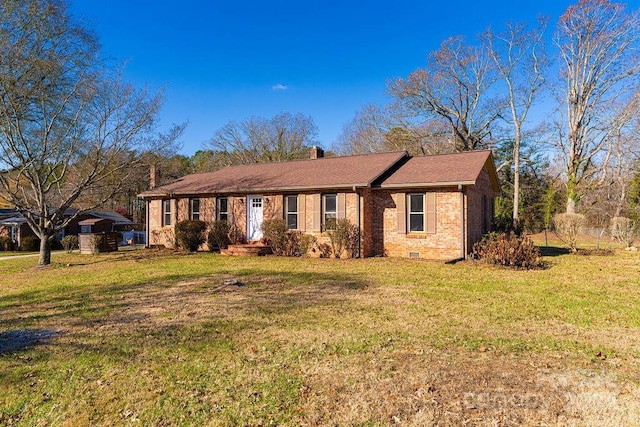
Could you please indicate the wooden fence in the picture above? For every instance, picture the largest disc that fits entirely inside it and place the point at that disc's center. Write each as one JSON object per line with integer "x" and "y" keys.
{"x": 93, "y": 243}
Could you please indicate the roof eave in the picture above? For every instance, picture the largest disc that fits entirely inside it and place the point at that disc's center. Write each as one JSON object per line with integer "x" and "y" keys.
{"x": 255, "y": 190}
{"x": 426, "y": 185}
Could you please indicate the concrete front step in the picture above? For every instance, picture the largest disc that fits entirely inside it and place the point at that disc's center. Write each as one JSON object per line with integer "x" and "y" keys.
{"x": 250, "y": 249}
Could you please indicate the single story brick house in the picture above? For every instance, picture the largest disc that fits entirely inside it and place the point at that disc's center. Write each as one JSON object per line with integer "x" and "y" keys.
{"x": 431, "y": 207}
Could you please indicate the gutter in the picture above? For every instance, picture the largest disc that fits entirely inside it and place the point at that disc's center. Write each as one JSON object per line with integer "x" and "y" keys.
{"x": 428, "y": 185}
{"x": 335, "y": 187}
{"x": 148, "y": 225}
{"x": 463, "y": 240}
{"x": 355, "y": 190}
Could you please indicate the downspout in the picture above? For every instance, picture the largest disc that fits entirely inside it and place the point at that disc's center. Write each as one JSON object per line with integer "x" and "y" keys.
{"x": 148, "y": 225}
{"x": 463, "y": 240}
{"x": 359, "y": 220}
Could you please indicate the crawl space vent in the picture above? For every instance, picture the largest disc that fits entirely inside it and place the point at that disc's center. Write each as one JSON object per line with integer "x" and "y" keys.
{"x": 414, "y": 254}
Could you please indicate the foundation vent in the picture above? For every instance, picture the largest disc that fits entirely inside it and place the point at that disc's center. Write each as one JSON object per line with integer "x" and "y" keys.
{"x": 414, "y": 254}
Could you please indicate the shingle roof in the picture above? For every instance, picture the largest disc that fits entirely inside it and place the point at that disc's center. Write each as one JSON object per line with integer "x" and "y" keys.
{"x": 330, "y": 172}
{"x": 6, "y": 213}
{"x": 385, "y": 170}
{"x": 13, "y": 220}
{"x": 111, "y": 215}
{"x": 444, "y": 169}
{"x": 92, "y": 221}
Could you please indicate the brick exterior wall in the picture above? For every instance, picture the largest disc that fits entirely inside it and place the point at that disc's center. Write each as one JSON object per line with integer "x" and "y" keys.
{"x": 369, "y": 225}
{"x": 479, "y": 213}
{"x": 445, "y": 243}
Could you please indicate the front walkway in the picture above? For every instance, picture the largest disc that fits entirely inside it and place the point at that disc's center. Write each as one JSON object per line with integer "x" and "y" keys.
{"x": 2, "y": 258}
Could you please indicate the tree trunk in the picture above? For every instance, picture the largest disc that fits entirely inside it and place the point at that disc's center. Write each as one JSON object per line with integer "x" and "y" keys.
{"x": 45, "y": 252}
{"x": 516, "y": 178}
{"x": 571, "y": 205}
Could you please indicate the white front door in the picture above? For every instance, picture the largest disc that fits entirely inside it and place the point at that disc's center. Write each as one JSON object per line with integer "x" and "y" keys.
{"x": 254, "y": 217}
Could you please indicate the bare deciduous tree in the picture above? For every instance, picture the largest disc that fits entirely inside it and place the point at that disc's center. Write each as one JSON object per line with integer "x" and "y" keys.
{"x": 68, "y": 123}
{"x": 519, "y": 56}
{"x": 598, "y": 43}
{"x": 257, "y": 140}
{"x": 375, "y": 129}
{"x": 453, "y": 87}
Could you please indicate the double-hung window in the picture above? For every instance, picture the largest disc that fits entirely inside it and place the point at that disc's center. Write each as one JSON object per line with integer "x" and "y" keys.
{"x": 194, "y": 208}
{"x": 421, "y": 212}
{"x": 329, "y": 211}
{"x": 291, "y": 211}
{"x": 223, "y": 209}
{"x": 416, "y": 213}
{"x": 166, "y": 212}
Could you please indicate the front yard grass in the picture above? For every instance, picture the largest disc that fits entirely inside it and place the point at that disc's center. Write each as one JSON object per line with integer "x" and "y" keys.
{"x": 157, "y": 338}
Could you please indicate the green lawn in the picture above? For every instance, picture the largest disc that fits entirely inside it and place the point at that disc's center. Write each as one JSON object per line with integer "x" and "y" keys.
{"x": 156, "y": 338}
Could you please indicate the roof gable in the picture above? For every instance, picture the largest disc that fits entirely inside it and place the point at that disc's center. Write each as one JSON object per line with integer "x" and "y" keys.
{"x": 443, "y": 169}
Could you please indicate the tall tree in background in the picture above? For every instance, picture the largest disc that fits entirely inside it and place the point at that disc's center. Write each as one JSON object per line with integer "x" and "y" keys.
{"x": 454, "y": 88}
{"x": 258, "y": 140}
{"x": 598, "y": 43}
{"x": 364, "y": 134}
{"x": 68, "y": 123}
{"x": 375, "y": 129}
{"x": 519, "y": 56}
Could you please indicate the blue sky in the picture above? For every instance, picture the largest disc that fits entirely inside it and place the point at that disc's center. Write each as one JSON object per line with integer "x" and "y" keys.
{"x": 229, "y": 60}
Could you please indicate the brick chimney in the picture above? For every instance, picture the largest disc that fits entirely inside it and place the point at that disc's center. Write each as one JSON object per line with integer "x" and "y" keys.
{"x": 316, "y": 152}
{"x": 154, "y": 177}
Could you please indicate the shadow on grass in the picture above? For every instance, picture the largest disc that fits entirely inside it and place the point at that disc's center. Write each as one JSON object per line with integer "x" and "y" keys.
{"x": 552, "y": 251}
{"x": 173, "y": 305}
{"x": 18, "y": 339}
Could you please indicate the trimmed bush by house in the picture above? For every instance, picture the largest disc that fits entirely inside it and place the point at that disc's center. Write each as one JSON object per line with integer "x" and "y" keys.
{"x": 6, "y": 244}
{"x": 307, "y": 241}
{"x": 568, "y": 226}
{"x": 218, "y": 236}
{"x": 190, "y": 234}
{"x": 69, "y": 243}
{"x": 508, "y": 250}
{"x": 344, "y": 238}
{"x": 274, "y": 232}
{"x": 284, "y": 242}
{"x": 30, "y": 244}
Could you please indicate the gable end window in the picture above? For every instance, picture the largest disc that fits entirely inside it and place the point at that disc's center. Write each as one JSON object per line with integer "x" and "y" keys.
{"x": 329, "y": 211}
{"x": 223, "y": 209}
{"x": 166, "y": 212}
{"x": 291, "y": 211}
{"x": 194, "y": 208}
